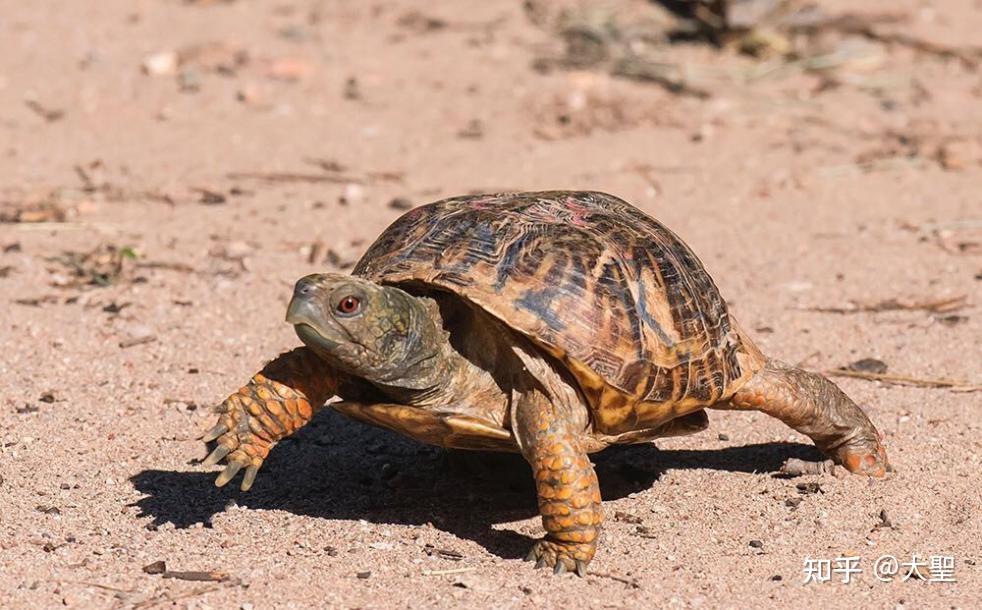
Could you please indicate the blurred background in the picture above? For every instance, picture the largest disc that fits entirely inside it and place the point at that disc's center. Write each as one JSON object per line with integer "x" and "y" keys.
{"x": 169, "y": 168}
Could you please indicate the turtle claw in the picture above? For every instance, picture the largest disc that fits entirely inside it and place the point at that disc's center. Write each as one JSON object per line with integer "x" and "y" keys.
{"x": 228, "y": 474}
{"x": 214, "y": 433}
{"x": 869, "y": 458}
{"x": 249, "y": 478}
{"x": 562, "y": 557}
{"x": 240, "y": 441}
{"x": 216, "y": 456}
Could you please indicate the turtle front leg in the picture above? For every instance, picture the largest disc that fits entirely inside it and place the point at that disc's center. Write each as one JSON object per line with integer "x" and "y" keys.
{"x": 567, "y": 487}
{"x": 275, "y": 403}
{"x": 816, "y": 407}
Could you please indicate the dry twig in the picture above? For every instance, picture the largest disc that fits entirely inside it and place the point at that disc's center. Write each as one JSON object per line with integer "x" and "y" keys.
{"x": 450, "y": 571}
{"x": 954, "y": 385}
{"x": 945, "y": 305}
{"x": 168, "y": 597}
{"x": 291, "y": 177}
{"x": 210, "y": 576}
{"x": 634, "y": 584}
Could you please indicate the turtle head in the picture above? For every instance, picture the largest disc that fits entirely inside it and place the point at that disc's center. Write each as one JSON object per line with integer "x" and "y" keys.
{"x": 378, "y": 333}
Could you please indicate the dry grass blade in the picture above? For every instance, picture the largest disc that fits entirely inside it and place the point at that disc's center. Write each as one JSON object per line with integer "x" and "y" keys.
{"x": 169, "y": 598}
{"x": 958, "y": 386}
{"x": 167, "y": 266}
{"x": 197, "y": 576}
{"x": 945, "y": 305}
{"x": 137, "y": 341}
{"x": 971, "y": 57}
{"x": 444, "y": 572}
{"x": 291, "y": 177}
{"x": 634, "y": 584}
{"x": 866, "y": 25}
{"x": 668, "y": 75}
{"x": 97, "y": 585}
{"x": 40, "y": 213}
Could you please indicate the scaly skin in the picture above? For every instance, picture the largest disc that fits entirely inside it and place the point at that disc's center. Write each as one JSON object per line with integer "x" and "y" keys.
{"x": 816, "y": 407}
{"x": 275, "y": 403}
{"x": 567, "y": 486}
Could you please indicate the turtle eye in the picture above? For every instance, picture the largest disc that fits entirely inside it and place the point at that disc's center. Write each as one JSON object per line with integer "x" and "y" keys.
{"x": 349, "y": 305}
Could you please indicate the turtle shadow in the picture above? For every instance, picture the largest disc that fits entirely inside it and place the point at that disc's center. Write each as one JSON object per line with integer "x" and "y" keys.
{"x": 338, "y": 469}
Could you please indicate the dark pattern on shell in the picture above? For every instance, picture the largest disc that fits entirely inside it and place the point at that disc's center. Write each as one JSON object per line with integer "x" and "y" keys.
{"x": 593, "y": 280}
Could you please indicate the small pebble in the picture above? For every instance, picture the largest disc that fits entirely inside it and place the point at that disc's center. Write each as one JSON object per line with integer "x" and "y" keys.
{"x": 400, "y": 203}
{"x": 160, "y": 64}
{"x": 351, "y": 89}
{"x": 869, "y": 365}
{"x": 289, "y": 69}
{"x": 473, "y": 130}
{"x": 809, "y": 488}
{"x": 352, "y": 193}
{"x": 884, "y": 520}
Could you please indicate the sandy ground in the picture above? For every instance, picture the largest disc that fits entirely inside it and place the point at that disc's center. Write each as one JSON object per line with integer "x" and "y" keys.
{"x": 796, "y": 192}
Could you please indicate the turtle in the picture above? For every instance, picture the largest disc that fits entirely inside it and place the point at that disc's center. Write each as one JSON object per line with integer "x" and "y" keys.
{"x": 552, "y": 324}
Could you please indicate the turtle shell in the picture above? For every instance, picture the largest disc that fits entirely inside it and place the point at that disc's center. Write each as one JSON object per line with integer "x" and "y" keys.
{"x": 604, "y": 288}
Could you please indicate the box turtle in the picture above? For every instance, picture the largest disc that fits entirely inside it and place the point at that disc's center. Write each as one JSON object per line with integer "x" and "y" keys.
{"x": 552, "y": 324}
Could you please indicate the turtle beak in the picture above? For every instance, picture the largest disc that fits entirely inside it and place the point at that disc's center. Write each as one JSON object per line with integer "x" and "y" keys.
{"x": 304, "y": 308}
{"x": 306, "y": 313}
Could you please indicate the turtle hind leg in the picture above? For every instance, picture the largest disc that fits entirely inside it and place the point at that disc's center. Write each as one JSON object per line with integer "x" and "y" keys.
{"x": 816, "y": 407}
